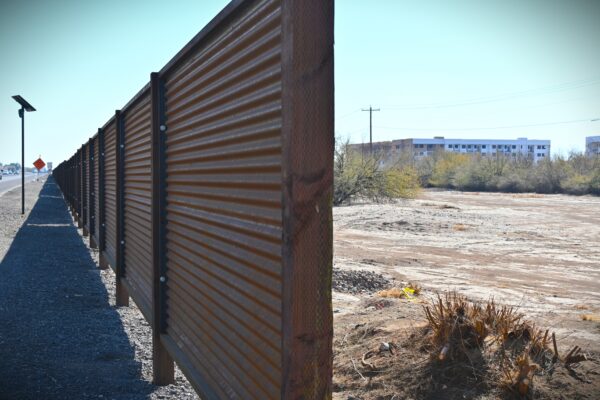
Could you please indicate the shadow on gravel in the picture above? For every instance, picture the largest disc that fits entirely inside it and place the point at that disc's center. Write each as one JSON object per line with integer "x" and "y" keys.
{"x": 59, "y": 337}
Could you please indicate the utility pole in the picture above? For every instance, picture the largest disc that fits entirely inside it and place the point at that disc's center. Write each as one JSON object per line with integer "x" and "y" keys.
{"x": 370, "y": 110}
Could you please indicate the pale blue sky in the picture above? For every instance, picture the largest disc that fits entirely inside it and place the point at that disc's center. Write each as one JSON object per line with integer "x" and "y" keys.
{"x": 459, "y": 69}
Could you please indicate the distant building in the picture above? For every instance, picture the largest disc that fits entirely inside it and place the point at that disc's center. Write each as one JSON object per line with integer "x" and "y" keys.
{"x": 592, "y": 146}
{"x": 49, "y": 166}
{"x": 533, "y": 149}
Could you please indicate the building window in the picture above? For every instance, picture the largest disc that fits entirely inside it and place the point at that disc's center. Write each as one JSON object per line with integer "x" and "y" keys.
{"x": 449, "y": 146}
{"x": 493, "y": 146}
{"x": 483, "y": 146}
{"x": 463, "y": 146}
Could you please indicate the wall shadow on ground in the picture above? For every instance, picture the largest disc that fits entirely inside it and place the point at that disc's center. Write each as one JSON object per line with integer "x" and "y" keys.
{"x": 59, "y": 336}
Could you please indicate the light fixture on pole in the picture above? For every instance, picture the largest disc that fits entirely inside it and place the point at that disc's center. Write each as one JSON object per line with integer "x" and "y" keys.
{"x": 25, "y": 106}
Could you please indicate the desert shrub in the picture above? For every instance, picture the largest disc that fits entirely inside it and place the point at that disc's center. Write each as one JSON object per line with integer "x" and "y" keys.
{"x": 595, "y": 181}
{"x": 576, "y": 184}
{"x": 368, "y": 176}
{"x": 446, "y": 167}
{"x": 575, "y": 174}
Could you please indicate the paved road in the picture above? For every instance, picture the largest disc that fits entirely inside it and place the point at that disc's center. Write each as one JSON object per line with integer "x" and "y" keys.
{"x": 9, "y": 182}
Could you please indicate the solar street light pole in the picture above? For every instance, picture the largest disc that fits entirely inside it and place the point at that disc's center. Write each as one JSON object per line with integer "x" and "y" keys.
{"x": 22, "y": 115}
{"x": 25, "y": 106}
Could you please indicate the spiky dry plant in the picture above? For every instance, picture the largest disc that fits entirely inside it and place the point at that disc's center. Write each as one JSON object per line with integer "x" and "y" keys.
{"x": 501, "y": 319}
{"x": 518, "y": 379}
{"x": 459, "y": 328}
{"x": 456, "y": 324}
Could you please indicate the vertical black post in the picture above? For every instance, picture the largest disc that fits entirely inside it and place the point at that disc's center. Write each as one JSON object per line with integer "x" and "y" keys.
{"x": 101, "y": 215}
{"x": 79, "y": 188}
{"x": 22, "y": 115}
{"x": 122, "y": 295}
{"x": 162, "y": 363}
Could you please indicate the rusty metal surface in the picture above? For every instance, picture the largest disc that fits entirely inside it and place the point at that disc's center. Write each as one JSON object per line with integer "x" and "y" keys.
{"x": 307, "y": 181}
{"x": 96, "y": 189}
{"x": 86, "y": 185}
{"x": 223, "y": 106}
{"x": 110, "y": 192}
{"x": 138, "y": 197}
{"x": 217, "y": 212}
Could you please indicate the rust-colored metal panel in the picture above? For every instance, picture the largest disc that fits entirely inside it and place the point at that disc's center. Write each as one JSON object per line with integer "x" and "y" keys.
{"x": 96, "y": 189}
{"x": 138, "y": 199}
{"x": 86, "y": 185}
{"x": 216, "y": 188}
{"x": 224, "y": 218}
{"x": 307, "y": 175}
{"x": 110, "y": 192}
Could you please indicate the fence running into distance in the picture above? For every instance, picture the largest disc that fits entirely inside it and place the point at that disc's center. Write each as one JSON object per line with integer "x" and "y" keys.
{"x": 209, "y": 195}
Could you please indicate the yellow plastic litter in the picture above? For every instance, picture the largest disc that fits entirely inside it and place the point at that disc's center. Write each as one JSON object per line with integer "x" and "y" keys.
{"x": 409, "y": 293}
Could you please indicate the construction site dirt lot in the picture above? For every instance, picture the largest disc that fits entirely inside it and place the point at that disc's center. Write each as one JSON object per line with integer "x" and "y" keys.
{"x": 539, "y": 253}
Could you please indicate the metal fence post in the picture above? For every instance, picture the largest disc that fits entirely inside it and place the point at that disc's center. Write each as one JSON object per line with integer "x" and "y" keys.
{"x": 162, "y": 363}
{"x": 307, "y": 170}
{"x": 122, "y": 296}
{"x": 101, "y": 199}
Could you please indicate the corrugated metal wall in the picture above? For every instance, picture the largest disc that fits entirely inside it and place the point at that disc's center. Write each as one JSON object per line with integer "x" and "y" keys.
{"x": 96, "y": 189}
{"x": 224, "y": 206}
{"x": 86, "y": 183}
{"x": 138, "y": 202}
{"x": 110, "y": 192}
{"x": 222, "y": 199}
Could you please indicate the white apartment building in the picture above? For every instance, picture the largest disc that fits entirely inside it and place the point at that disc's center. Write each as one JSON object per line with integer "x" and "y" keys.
{"x": 534, "y": 149}
{"x": 592, "y": 146}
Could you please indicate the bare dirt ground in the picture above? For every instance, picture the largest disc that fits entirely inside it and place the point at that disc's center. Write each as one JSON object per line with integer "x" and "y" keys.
{"x": 540, "y": 253}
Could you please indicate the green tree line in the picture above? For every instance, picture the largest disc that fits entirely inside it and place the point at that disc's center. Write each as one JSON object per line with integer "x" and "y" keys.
{"x": 575, "y": 174}
{"x": 373, "y": 177}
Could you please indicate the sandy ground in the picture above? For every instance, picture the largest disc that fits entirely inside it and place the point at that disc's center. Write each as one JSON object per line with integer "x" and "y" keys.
{"x": 538, "y": 252}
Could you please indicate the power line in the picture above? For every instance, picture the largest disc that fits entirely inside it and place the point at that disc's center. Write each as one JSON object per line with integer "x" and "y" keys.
{"x": 490, "y": 128}
{"x": 501, "y": 97}
{"x": 370, "y": 110}
{"x": 347, "y": 115}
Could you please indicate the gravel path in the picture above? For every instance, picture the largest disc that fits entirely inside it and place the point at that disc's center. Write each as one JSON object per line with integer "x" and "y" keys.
{"x": 61, "y": 336}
